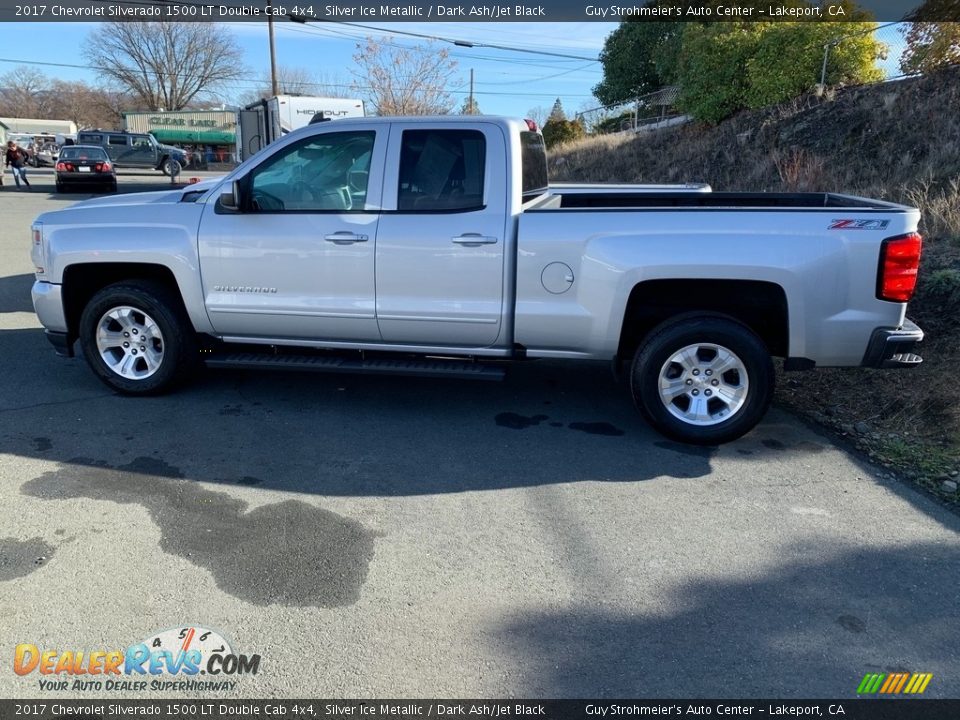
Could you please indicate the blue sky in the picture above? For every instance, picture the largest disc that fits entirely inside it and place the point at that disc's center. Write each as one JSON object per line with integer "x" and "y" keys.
{"x": 506, "y": 82}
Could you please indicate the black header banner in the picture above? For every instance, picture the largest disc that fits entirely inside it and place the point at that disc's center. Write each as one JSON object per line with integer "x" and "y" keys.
{"x": 210, "y": 709}
{"x": 425, "y": 11}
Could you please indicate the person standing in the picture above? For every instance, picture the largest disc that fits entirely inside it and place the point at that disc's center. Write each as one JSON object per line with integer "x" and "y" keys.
{"x": 16, "y": 160}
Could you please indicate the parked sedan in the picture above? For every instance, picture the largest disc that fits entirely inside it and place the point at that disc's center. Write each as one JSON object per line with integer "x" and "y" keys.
{"x": 85, "y": 165}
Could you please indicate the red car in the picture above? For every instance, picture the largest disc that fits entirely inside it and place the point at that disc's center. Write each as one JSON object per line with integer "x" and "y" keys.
{"x": 85, "y": 165}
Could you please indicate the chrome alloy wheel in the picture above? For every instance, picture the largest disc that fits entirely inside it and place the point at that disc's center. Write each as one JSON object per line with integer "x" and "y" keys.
{"x": 704, "y": 384}
{"x": 130, "y": 342}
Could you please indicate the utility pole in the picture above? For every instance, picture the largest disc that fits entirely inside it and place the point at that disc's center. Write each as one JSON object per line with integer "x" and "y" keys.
{"x": 273, "y": 50}
{"x": 473, "y": 110}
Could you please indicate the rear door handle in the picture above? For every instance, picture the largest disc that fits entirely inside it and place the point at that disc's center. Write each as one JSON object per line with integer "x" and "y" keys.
{"x": 473, "y": 239}
{"x": 345, "y": 237}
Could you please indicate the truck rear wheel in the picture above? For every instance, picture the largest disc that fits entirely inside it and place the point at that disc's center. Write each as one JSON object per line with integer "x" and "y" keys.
{"x": 137, "y": 339}
{"x": 702, "y": 380}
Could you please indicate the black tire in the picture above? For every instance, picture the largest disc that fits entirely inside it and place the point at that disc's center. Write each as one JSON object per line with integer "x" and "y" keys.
{"x": 170, "y": 167}
{"x": 665, "y": 342}
{"x": 179, "y": 354}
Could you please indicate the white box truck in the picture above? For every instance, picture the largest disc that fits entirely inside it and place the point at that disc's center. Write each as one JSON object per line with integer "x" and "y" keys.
{"x": 269, "y": 119}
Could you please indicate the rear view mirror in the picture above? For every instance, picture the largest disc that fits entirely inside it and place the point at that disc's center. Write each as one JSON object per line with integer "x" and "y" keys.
{"x": 230, "y": 198}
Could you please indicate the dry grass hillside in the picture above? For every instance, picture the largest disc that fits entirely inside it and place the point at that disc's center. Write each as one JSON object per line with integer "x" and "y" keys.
{"x": 898, "y": 141}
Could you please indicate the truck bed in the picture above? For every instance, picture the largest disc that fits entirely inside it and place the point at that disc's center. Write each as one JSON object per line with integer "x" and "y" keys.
{"x": 559, "y": 199}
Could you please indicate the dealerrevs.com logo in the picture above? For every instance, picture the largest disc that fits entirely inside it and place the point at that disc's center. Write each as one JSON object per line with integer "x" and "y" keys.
{"x": 186, "y": 659}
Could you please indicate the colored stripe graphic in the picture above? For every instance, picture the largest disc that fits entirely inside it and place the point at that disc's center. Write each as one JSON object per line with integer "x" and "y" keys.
{"x": 903, "y": 681}
{"x": 918, "y": 683}
{"x": 894, "y": 683}
{"x": 870, "y": 683}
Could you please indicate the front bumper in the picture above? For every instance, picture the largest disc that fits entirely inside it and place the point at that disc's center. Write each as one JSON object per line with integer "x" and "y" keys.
{"x": 893, "y": 347}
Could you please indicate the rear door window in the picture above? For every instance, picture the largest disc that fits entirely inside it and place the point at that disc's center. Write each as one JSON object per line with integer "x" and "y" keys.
{"x": 118, "y": 140}
{"x": 441, "y": 170}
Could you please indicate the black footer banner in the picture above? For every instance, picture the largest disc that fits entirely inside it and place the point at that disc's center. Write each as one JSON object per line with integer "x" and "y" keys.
{"x": 856, "y": 709}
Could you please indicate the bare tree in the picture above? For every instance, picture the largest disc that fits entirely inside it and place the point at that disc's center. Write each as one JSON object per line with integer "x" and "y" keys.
{"x": 538, "y": 114}
{"x": 25, "y": 92}
{"x": 88, "y": 106}
{"x": 404, "y": 81}
{"x": 297, "y": 81}
{"x": 165, "y": 65}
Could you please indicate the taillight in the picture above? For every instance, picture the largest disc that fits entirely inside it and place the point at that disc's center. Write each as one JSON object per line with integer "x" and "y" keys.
{"x": 899, "y": 262}
{"x": 102, "y": 167}
{"x": 531, "y": 125}
{"x": 61, "y": 166}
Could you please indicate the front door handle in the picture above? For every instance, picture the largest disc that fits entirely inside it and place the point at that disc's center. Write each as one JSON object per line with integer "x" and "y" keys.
{"x": 473, "y": 239}
{"x": 345, "y": 237}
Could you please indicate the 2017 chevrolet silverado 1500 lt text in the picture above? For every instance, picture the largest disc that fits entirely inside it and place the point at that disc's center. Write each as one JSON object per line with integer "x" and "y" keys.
{"x": 435, "y": 246}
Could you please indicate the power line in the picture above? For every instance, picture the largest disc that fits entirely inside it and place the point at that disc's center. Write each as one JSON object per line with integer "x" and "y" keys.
{"x": 460, "y": 43}
{"x": 438, "y": 38}
{"x": 249, "y": 83}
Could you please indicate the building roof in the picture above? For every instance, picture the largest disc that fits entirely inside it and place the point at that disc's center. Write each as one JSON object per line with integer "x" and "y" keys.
{"x": 38, "y": 125}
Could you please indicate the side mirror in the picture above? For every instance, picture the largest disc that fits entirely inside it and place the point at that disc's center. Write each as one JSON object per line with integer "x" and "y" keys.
{"x": 230, "y": 198}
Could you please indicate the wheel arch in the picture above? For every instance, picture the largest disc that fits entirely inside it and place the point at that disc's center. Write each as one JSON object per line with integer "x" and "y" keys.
{"x": 759, "y": 305}
{"x": 81, "y": 281}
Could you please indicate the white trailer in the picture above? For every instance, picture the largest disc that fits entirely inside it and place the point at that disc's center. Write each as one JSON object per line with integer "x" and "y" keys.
{"x": 267, "y": 120}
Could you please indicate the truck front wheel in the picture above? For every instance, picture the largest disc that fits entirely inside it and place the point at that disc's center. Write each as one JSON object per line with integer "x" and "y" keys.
{"x": 170, "y": 167}
{"x": 136, "y": 338}
{"x": 702, "y": 380}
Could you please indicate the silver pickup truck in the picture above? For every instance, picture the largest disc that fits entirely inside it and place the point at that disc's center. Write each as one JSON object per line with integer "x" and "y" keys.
{"x": 435, "y": 246}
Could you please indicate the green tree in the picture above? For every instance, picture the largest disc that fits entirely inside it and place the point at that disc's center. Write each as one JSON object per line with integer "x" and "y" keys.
{"x": 558, "y": 132}
{"x": 726, "y": 67}
{"x": 470, "y": 107}
{"x": 930, "y": 45}
{"x": 556, "y": 113}
{"x": 788, "y": 59}
{"x": 638, "y": 57}
{"x": 710, "y": 71}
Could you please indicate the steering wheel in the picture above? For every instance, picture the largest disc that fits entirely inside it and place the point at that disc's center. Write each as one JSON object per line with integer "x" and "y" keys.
{"x": 301, "y": 192}
{"x": 265, "y": 201}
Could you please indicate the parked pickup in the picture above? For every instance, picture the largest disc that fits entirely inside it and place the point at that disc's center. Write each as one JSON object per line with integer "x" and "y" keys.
{"x": 435, "y": 246}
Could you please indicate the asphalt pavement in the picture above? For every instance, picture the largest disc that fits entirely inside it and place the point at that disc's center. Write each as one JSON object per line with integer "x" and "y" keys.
{"x": 397, "y": 537}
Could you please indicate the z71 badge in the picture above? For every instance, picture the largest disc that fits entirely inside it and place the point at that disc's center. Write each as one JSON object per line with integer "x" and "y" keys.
{"x": 858, "y": 225}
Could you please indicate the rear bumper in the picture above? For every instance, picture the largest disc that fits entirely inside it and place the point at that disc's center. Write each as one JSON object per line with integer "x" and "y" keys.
{"x": 86, "y": 178}
{"x": 893, "y": 347}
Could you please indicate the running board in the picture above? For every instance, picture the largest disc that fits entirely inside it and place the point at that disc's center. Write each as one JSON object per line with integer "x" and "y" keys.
{"x": 420, "y": 367}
